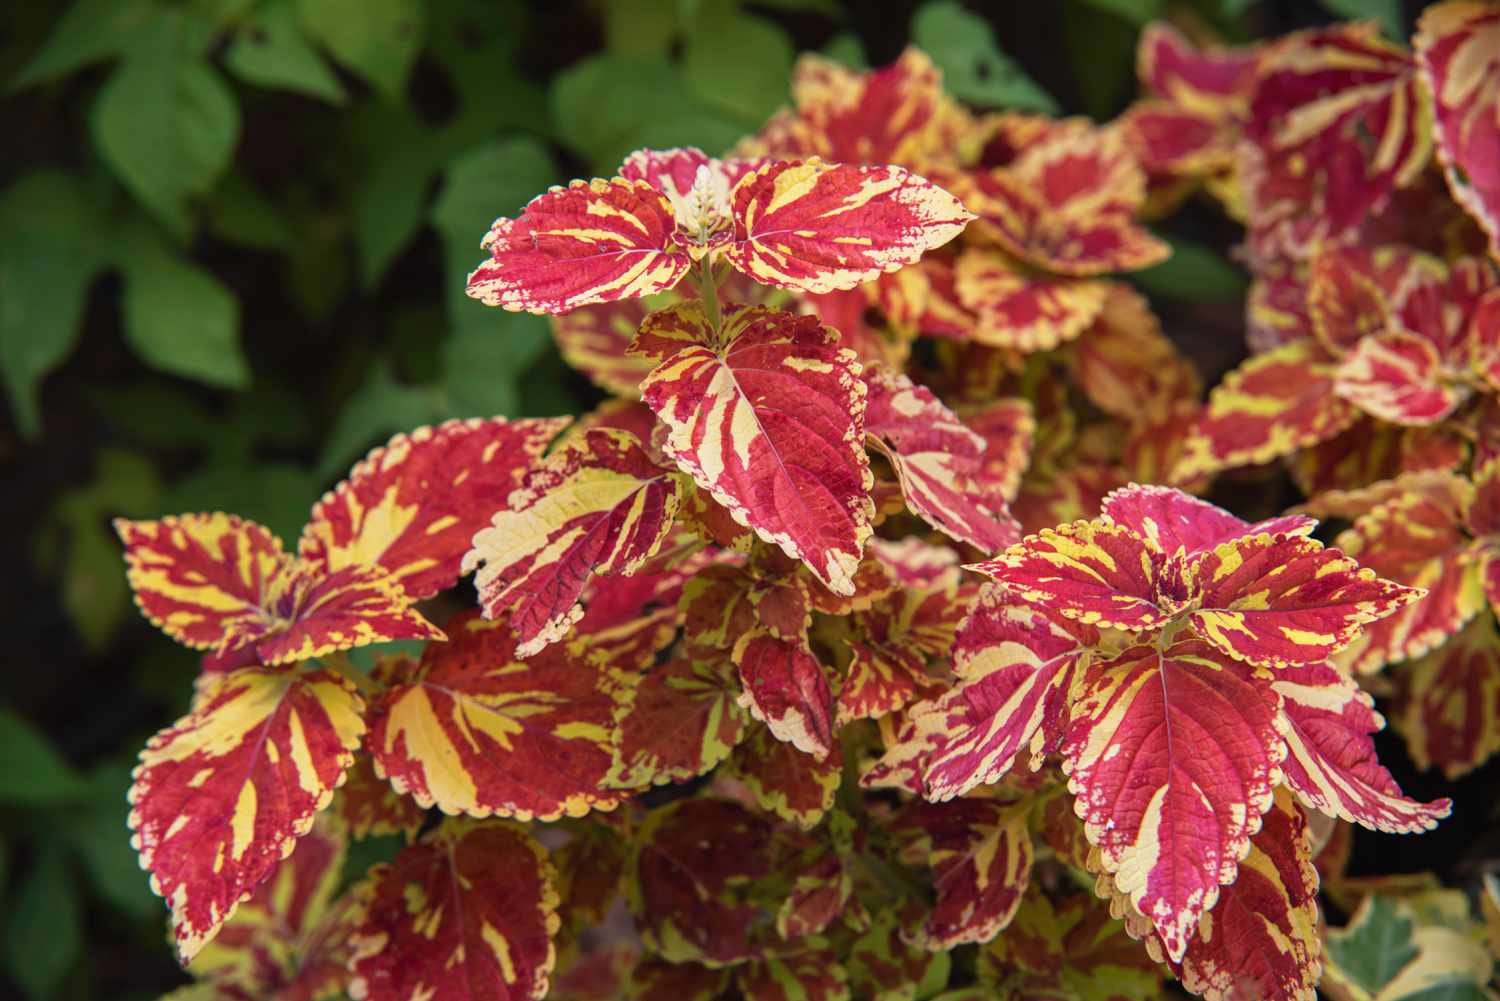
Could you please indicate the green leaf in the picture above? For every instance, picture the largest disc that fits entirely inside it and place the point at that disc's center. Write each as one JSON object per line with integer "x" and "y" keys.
{"x": 1372, "y": 952}
{"x": 167, "y": 124}
{"x": 974, "y": 68}
{"x": 477, "y": 43}
{"x": 269, "y": 50}
{"x": 1194, "y": 273}
{"x": 738, "y": 63}
{"x": 607, "y": 106}
{"x": 846, "y": 48}
{"x": 1137, "y": 12}
{"x": 34, "y": 774}
{"x": 44, "y": 932}
{"x": 1101, "y": 51}
{"x": 375, "y": 39}
{"x": 639, "y": 27}
{"x": 90, "y": 31}
{"x": 483, "y": 364}
{"x": 276, "y": 494}
{"x": 381, "y": 407}
{"x": 390, "y": 200}
{"x": 1389, "y": 13}
{"x": 94, "y": 835}
{"x": 49, "y": 257}
{"x": 496, "y": 179}
{"x": 241, "y": 214}
{"x": 180, "y": 319}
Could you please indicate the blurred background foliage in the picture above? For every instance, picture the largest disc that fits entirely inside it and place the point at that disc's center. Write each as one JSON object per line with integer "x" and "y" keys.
{"x": 233, "y": 241}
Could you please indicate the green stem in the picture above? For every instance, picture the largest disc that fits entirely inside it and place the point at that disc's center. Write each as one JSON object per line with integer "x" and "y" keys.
{"x": 708, "y": 288}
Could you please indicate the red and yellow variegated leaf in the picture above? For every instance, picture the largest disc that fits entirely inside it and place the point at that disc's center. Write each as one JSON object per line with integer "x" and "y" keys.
{"x": 1369, "y": 452}
{"x": 372, "y": 807}
{"x": 1336, "y": 125}
{"x": 468, "y": 911}
{"x": 1008, "y": 428}
{"x": 893, "y": 642}
{"x": 1449, "y": 706}
{"x": 813, "y": 226}
{"x": 895, "y": 114}
{"x": 786, "y": 688}
{"x": 821, "y": 894}
{"x": 923, "y": 299}
{"x": 1068, "y": 950}
{"x": 1284, "y": 599}
{"x": 213, "y": 581}
{"x": 980, "y": 854}
{"x": 697, "y": 186}
{"x": 1024, "y": 311}
{"x": 411, "y": 506}
{"x": 1397, "y": 377}
{"x": 1173, "y": 756}
{"x": 1173, "y": 521}
{"x": 222, "y": 795}
{"x": 1212, "y": 81}
{"x": 1093, "y": 572}
{"x": 1354, "y": 292}
{"x": 1016, "y": 664}
{"x": 1484, "y": 339}
{"x": 598, "y": 505}
{"x": 785, "y": 781}
{"x": 771, "y": 422}
{"x": 1261, "y": 940}
{"x": 1067, "y": 205}
{"x": 595, "y": 341}
{"x": 286, "y": 940}
{"x": 848, "y": 313}
{"x": 1170, "y": 141}
{"x": 939, "y": 462}
{"x": 681, "y": 720}
{"x": 691, "y": 881}
{"x": 1417, "y": 538}
{"x": 593, "y": 241}
{"x": 1327, "y": 720}
{"x": 478, "y": 730}
{"x": 812, "y": 974}
{"x": 1458, "y": 47}
{"x": 1271, "y": 406}
{"x": 1126, "y": 365}
{"x": 596, "y": 974}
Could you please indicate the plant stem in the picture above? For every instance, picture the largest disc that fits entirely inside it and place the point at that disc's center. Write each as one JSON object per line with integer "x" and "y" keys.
{"x": 708, "y": 288}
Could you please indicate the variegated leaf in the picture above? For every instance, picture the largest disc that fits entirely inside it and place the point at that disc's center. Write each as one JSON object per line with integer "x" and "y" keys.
{"x": 792, "y": 784}
{"x": 939, "y": 461}
{"x": 1093, "y": 572}
{"x": 222, "y": 795}
{"x": 1336, "y": 125}
{"x": 476, "y": 729}
{"x": 1067, "y": 204}
{"x": 593, "y": 241}
{"x": 1449, "y": 705}
{"x": 1271, "y": 406}
{"x": 411, "y": 506}
{"x": 813, "y": 226}
{"x": 681, "y": 720}
{"x": 1458, "y": 49}
{"x": 979, "y": 851}
{"x": 1327, "y": 722}
{"x": 1173, "y": 755}
{"x": 1173, "y": 521}
{"x": 1016, "y": 664}
{"x": 1397, "y": 377}
{"x": 786, "y": 688}
{"x": 216, "y": 582}
{"x": 468, "y": 911}
{"x": 1284, "y": 599}
{"x": 770, "y": 420}
{"x": 1014, "y": 308}
{"x": 598, "y": 505}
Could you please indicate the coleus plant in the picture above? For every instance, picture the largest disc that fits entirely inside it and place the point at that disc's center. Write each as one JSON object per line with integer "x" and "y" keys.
{"x": 735, "y": 669}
